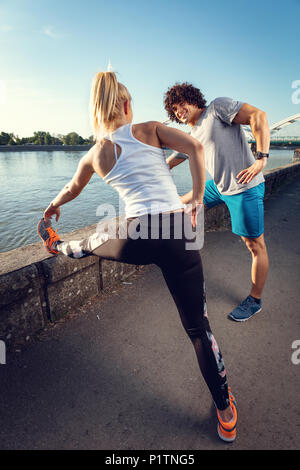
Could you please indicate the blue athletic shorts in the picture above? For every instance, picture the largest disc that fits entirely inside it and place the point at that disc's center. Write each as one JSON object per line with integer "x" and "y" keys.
{"x": 246, "y": 208}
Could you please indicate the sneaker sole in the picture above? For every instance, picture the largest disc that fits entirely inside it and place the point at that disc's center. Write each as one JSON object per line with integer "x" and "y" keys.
{"x": 243, "y": 319}
{"x": 225, "y": 439}
{"x": 39, "y": 230}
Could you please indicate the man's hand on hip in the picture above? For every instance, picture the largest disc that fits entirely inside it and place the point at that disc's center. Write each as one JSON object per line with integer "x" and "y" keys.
{"x": 247, "y": 175}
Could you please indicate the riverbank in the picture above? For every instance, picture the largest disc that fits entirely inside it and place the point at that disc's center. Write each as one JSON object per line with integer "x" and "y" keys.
{"x": 82, "y": 148}
{"x": 45, "y": 148}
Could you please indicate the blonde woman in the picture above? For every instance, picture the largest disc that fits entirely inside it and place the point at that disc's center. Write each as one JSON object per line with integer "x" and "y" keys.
{"x": 130, "y": 158}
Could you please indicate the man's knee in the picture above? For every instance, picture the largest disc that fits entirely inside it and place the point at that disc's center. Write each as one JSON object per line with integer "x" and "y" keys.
{"x": 255, "y": 245}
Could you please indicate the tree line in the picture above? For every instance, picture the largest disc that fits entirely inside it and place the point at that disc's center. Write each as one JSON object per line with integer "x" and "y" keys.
{"x": 45, "y": 138}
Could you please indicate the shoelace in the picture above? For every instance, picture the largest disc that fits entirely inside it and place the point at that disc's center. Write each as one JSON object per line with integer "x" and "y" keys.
{"x": 51, "y": 232}
{"x": 53, "y": 235}
{"x": 245, "y": 303}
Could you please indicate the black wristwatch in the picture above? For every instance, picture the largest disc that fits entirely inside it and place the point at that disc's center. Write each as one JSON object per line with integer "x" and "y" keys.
{"x": 260, "y": 155}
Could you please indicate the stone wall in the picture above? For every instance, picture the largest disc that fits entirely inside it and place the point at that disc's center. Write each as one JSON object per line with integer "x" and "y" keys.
{"x": 37, "y": 288}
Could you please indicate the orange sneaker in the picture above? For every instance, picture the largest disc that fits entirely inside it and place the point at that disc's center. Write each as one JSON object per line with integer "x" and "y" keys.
{"x": 49, "y": 237}
{"x": 227, "y": 431}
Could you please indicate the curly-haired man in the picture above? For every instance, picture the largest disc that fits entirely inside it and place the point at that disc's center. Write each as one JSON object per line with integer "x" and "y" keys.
{"x": 237, "y": 178}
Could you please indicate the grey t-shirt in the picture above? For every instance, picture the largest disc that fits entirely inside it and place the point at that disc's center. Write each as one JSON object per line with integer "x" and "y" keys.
{"x": 227, "y": 151}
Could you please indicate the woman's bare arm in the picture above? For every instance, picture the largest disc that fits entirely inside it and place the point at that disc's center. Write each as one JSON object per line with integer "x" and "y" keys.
{"x": 186, "y": 144}
{"x": 72, "y": 189}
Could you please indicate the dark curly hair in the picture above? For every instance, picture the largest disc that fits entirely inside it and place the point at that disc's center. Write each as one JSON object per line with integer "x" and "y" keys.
{"x": 182, "y": 93}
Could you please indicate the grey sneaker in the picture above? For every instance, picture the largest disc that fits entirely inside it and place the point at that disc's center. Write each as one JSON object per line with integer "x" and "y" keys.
{"x": 246, "y": 309}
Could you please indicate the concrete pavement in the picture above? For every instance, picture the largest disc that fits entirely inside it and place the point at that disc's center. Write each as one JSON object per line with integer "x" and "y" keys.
{"x": 120, "y": 373}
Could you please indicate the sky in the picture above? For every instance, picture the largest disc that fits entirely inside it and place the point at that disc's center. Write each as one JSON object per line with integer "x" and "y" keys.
{"x": 50, "y": 52}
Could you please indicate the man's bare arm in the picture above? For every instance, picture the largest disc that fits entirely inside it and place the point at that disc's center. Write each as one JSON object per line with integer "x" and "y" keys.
{"x": 258, "y": 121}
{"x": 174, "y": 160}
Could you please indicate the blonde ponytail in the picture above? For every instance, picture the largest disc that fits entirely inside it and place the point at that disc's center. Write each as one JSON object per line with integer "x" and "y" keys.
{"x": 107, "y": 97}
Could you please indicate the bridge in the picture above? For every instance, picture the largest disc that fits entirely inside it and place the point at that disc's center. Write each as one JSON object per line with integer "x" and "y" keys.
{"x": 284, "y": 141}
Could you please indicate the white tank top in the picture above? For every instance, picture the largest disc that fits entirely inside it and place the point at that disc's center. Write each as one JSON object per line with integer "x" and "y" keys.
{"x": 141, "y": 176}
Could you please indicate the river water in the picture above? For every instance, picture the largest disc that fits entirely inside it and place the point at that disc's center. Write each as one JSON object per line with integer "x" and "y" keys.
{"x": 30, "y": 180}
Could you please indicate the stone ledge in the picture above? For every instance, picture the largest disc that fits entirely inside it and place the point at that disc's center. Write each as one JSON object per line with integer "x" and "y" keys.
{"x": 37, "y": 288}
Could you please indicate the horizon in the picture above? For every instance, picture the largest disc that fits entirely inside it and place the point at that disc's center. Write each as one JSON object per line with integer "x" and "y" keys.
{"x": 50, "y": 54}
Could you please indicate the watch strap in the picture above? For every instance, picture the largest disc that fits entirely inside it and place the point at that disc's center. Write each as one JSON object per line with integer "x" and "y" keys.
{"x": 260, "y": 155}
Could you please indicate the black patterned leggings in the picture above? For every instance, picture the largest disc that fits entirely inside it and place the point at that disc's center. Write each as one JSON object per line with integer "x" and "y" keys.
{"x": 182, "y": 271}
